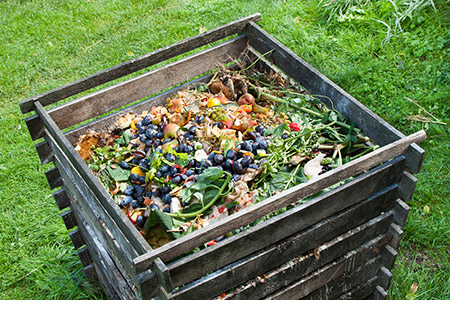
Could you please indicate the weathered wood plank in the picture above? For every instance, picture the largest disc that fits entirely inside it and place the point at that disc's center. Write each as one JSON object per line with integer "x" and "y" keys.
{"x": 54, "y": 178}
{"x": 139, "y": 244}
{"x": 77, "y": 238}
{"x": 396, "y": 232}
{"x": 108, "y": 273}
{"x": 334, "y": 289}
{"x": 379, "y": 294}
{"x": 91, "y": 274}
{"x": 150, "y": 285}
{"x": 362, "y": 291}
{"x": 299, "y": 218}
{"x": 401, "y": 213}
{"x": 105, "y": 123}
{"x": 89, "y": 205}
{"x": 61, "y": 199}
{"x": 276, "y": 202}
{"x": 85, "y": 256}
{"x": 137, "y": 88}
{"x": 69, "y": 219}
{"x": 407, "y": 186}
{"x": 379, "y": 130}
{"x": 319, "y": 278}
{"x": 137, "y": 64}
{"x": 279, "y": 253}
{"x": 104, "y": 229}
{"x": 388, "y": 256}
{"x": 384, "y": 278}
{"x": 44, "y": 152}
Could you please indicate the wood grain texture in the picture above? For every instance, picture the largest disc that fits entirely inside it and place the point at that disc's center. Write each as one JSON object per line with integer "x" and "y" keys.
{"x": 277, "y": 228}
{"x": 401, "y": 213}
{"x": 61, "y": 199}
{"x": 362, "y": 291}
{"x": 91, "y": 274}
{"x": 279, "y": 253}
{"x": 137, "y": 64}
{"x": 407, "y": 186}
{"x": 123, "y": 223}
{"x": 85, "y": 256}
{"x": 110, "y": 277}
{"x": 110, "y": 238}
{"x": 150, "y": 285}
{"x": 44, "y": 152}
{"x": 384, "y": 278}
{"x": 107, "y": 122}
{"x": 319, "y": 278}
{"x": 379, "y": 130}
{"x": 142, "y": 86}
{"x": 69, "y": 219}
{"x": 276, "y": 202}
{"x": 379, "y": 293}
{"x": 349, "y": 280}
{"x": 388, "y": 256}
{"x": 54, "y": 178}
{"x": 77, "y": 238}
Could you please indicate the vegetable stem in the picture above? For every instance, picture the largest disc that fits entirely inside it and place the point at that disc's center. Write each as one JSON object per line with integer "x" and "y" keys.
{"x": 199, "y": 212}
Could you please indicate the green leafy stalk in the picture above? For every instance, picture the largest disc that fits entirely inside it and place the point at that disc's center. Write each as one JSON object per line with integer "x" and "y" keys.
{"x": 207, "y": 206}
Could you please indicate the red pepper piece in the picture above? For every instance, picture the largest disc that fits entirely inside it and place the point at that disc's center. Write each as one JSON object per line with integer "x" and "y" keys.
{"x": 294, "y": 126}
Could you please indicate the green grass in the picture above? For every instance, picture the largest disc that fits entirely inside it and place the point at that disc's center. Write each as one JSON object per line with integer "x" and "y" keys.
{"x": 46, "y": 44}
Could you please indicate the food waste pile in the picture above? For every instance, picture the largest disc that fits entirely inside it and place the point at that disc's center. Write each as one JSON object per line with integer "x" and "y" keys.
{"x": 216, "y": 148}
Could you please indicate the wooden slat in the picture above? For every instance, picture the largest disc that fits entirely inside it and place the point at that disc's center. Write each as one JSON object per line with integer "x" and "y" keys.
{"x": 54, "y": 178}
{"x": 105, "y": 229}
{"x": 105, "y": 123}
{"x": 396, "y": 233}
{"x": 69, "y": 219}
{"x": 277, "y": 228}
{"x": 44, "y": 152}
{"x": 401, "y": 213}
{"x": 384, "y": 277}
{"x": 388, "y": 255}
{"x": 312, "y": 238}
{"x": 346, "y": 282}
{"x": 407, "y": 186}
{"x": 77, "y": 238}
{"x": 85, "y": 256}
{"x": 319, "y": 278}
{"x": 91, "y": 274}
{"x": 137, "y": 64}
{"x": 150, "y": 285}
{"x": 362, "y": 291}
{"x": 276, "y": 202}
{"x": 137, "y": 88}
{"x": 379, "y": 294}
{"x": 110, "y": 276}
{"x": 135, "y": 238}
{"x": 372, "y": 125}
{"x": 61, "y": 199}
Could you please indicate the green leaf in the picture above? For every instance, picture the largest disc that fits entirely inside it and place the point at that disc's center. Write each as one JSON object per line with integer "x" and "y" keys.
{"x": 210, "y": 174}
{"x": 192, "y": 208}
{"x": 166, "y": 222}
{"x": 276, "y": 132}
{"x": 125, "y": 138}
{"x": 118, "y": 174}
{"x": 228, "y": 145}
{"x": 151, "y": 221}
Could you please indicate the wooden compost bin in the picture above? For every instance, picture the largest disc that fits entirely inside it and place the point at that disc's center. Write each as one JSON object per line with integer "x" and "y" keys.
{"x": 341, "y": 244}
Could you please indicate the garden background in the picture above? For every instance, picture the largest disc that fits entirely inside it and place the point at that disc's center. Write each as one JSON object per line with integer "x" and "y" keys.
{"x": 390, "y": 55}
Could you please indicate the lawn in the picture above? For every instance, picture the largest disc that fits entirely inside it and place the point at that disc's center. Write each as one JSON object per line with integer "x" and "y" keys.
{"x": 391, "y": 56}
